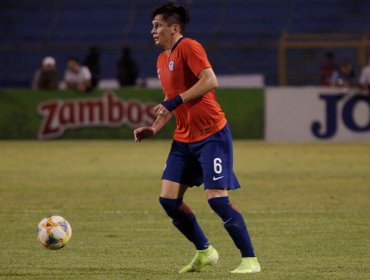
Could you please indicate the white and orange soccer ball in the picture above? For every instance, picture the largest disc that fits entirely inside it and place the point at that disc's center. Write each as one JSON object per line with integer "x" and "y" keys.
{"x": 54, "y": 232}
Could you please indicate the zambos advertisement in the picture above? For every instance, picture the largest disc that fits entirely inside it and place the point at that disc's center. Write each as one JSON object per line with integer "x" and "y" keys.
{"x": 30, "y": 114}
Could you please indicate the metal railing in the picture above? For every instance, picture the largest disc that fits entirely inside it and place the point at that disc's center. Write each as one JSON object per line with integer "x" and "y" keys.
{"x": 359, "y": 42}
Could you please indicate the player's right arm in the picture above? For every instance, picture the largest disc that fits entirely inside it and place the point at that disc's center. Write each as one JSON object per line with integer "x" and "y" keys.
{"x": 149, "y": 131}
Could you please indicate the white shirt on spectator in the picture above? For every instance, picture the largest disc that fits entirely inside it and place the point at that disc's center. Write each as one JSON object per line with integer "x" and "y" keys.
{"x": 365, "y": 76}
{"x": 78, "y": 78}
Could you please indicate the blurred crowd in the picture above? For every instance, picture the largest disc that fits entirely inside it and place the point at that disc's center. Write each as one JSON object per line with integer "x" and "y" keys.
{"x": 84, "y": 76}
{"x": 343, "y": 75}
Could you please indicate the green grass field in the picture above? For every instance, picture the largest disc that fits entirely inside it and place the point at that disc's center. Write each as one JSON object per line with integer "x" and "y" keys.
{"x": 307, "y": 207}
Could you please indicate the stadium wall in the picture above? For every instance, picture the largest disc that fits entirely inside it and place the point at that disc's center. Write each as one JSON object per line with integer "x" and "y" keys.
{"x": 30, "y": 114}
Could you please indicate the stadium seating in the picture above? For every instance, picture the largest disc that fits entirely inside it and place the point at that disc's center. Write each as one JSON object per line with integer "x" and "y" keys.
{"x": 240, "y": 36}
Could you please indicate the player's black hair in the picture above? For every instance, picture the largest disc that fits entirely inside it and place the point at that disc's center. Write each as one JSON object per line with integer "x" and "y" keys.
{"x": 173, "y": 13}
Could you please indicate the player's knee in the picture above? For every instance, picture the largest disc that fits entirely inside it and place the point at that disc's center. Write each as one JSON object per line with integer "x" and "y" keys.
{"x": 222, "y": 207}
{"x": 170, "y": 206}
{"x": 219, "y": 204}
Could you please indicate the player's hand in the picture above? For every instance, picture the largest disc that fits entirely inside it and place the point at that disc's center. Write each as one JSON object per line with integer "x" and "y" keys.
{"x": 143, "y": 133}
{"x": 160, "y": 110}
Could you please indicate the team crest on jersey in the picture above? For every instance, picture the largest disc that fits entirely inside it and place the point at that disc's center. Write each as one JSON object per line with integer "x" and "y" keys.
{"x": 171, "y": 65}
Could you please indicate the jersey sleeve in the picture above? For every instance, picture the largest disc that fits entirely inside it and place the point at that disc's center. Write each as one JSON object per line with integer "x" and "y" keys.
{"x": 196, "y": 57}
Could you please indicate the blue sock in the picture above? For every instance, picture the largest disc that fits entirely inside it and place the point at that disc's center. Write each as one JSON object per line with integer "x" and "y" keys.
{"x": 234, "y": 224}
{"x": 184, "y": 219}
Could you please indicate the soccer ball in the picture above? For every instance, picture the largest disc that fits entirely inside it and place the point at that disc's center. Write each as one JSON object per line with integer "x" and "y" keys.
{"x": 54, "y": 232}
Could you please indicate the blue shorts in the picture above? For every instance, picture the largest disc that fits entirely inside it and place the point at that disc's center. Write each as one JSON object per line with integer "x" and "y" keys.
{"x": 209, "y": 161}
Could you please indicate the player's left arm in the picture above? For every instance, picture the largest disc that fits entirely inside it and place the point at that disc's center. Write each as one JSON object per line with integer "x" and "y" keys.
{"x": 206, "y": 81}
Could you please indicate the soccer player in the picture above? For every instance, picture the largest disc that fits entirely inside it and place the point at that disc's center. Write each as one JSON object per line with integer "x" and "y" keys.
{"x": 201, "y": 151}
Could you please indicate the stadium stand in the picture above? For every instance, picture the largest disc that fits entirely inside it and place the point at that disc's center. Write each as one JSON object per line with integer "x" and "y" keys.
{"x": 240, "y": 36}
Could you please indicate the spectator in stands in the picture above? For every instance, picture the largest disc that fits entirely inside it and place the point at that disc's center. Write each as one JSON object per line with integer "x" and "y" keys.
{"x": 77, "y": 77}
{"x": 364, "y": 80}
{"x": 92, "y": 61}
{"x": 127, "y": 69}
{"x": 343, "y": 76}
{"x": 327, "y": 69}
{"x": 47, "y": 76}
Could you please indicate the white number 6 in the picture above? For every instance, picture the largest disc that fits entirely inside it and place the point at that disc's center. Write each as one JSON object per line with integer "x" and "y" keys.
{"x": 217, "y": 167}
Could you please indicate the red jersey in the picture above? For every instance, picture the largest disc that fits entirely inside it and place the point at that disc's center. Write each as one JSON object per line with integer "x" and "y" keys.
{"x": 179, "y": 71}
